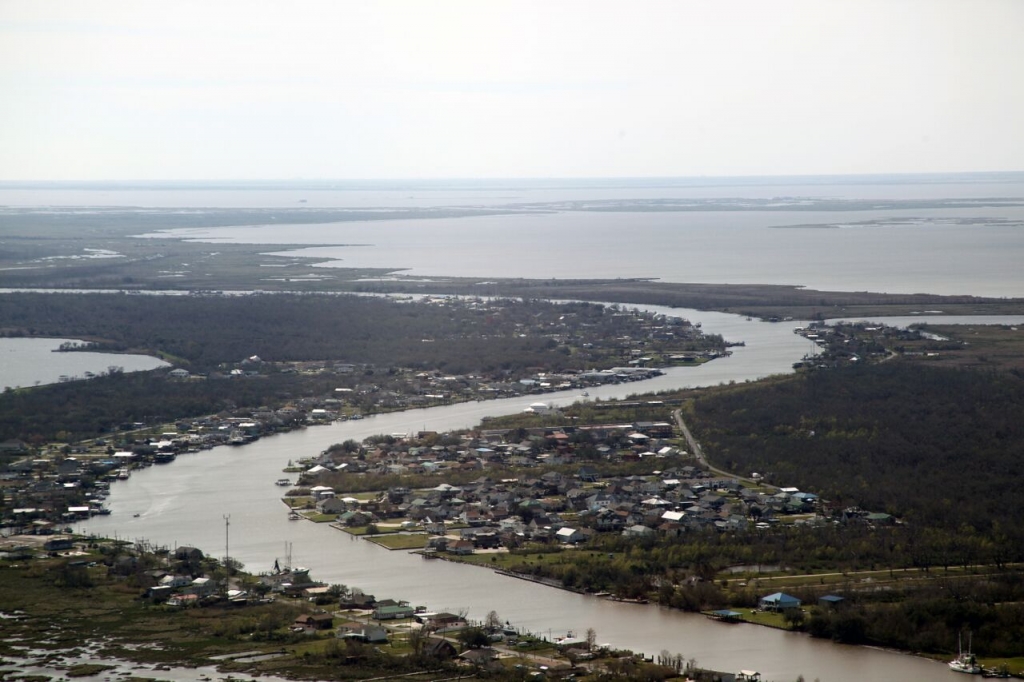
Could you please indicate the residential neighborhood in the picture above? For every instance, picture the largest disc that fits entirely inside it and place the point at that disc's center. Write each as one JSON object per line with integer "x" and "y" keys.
{"x": 540, "y": 485}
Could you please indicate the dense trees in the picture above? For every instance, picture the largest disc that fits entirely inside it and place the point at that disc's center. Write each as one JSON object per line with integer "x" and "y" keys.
{"x": 501, "y": 340}
{"x": 205, "y": 331}
{"x": 939, "y": 448}
{"x": 455, "y": 336}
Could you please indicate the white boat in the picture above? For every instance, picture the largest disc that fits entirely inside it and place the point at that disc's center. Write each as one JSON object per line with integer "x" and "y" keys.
{"x": 283, "y": 482}
{"x": 965, "y": 662}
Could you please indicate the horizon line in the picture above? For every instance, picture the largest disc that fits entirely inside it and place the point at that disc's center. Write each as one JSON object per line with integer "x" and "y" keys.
{"x": 491, "y": 179}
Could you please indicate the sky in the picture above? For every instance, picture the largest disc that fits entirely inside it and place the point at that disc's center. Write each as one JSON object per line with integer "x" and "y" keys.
{"x": 335, "y": 89}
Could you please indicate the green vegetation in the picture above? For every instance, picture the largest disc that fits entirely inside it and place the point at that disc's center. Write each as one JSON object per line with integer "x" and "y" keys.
{"x": 106, "y": 611}
{"x": 384, "y": 354}
{"x": 401, "y": 540}
{"x": 932, "y": 446}
{"x": 208, "y": 331}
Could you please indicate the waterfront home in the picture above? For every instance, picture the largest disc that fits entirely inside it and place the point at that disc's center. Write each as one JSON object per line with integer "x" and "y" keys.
{"x": 321, "y": 492}
{"x": 778, "y": 601}
{"x": 393, "y": 612}
{"x": 461, "y": 547}
{"x": 331, "y": 505}
{"x": 358, "y": 600}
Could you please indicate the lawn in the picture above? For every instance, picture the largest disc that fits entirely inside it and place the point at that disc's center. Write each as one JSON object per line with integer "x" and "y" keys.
{"x": 400, "y": 540}
{"x": 758, "y": 617}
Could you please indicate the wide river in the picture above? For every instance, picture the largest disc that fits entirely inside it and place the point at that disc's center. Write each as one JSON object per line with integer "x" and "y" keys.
{"x": 186, "y": 502}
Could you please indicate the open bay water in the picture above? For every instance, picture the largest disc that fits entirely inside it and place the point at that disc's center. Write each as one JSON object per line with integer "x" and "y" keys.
{"x": 566, "y": 230}
{"x": 932, "y": 255}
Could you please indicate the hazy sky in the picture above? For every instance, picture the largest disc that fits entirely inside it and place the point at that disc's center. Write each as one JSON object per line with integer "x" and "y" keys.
{"x": 486, "y": 88}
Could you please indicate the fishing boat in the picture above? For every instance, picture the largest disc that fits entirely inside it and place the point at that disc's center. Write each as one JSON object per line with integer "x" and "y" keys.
{"x": 965, "y": 662}
{"x": 294, "y": 516}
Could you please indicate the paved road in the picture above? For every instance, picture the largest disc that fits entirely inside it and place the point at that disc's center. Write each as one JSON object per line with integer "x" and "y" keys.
{"x": 698, "y": 452}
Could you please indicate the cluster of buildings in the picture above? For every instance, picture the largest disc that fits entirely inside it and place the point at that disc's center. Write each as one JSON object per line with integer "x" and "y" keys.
{"x": 845, "y": 343}
{"x": 566, "y": 506}
{"x": 43, "y": 491}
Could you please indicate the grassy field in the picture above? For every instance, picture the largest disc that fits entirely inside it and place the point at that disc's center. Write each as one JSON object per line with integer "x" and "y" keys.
{"x": 400, "y": 540}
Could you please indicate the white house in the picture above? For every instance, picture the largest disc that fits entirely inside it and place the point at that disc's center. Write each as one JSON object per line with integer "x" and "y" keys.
{"x": 569, "y": 536}
{"x": 321, "y": 492}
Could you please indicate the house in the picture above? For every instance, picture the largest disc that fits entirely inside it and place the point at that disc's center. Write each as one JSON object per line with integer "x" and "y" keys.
{"x": 58, "y": 545}
{"x": 637, "y": 531}
{"x": 830, "y": 601}
{"x": 393, "y": 612}
{"x": 311, "y": 622}
{"x": 779, "y": 601}
{"x": 13, "y": 447}
{"x": 569, "y": 536}
{"x": 361, "y": 632}
{"x": 443, "y": 621}
{"x": 183, "y": 600}
{"x": 461, "y": 547}
{"x": 358, "y": 600}
{"x": 203, "y": 587}
{"x": 159, "y": 593}
{"x": 175, "y": 581}
{"x": 189, "y": 554}
{"x": 331, "y": 505}
{"x": 321, "y": 492}
{"x": 440, "y": 648}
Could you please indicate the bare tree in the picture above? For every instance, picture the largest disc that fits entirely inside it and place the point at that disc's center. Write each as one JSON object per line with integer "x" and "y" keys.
{"x": 493, "y": 622}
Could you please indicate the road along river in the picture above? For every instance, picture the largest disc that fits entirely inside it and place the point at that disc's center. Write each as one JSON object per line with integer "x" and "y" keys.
{"x": 185, "y": 503}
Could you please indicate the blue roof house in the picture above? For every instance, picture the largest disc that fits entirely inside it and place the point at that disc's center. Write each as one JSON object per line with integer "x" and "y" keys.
{"x": 779, "y": 601}
{"x": 830, "y": 601}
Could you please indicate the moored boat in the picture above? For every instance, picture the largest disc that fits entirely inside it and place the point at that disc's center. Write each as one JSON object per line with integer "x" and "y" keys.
{"x": 965, "y": 662}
